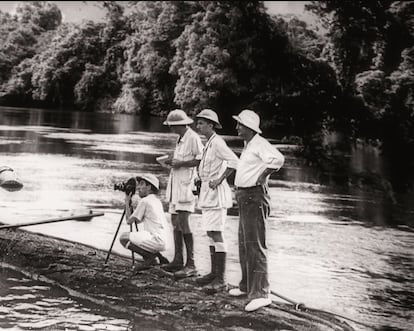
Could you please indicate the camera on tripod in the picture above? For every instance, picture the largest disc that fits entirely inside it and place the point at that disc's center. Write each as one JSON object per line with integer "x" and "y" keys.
{"x": 129, "y": 187}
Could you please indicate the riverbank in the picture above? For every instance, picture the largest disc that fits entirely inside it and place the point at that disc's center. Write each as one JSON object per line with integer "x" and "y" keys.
{"x": 150, "y": 295}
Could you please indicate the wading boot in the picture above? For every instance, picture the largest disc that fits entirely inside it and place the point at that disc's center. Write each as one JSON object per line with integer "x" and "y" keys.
{"x": 177, "y": 263}
{"x": 218, "y": 284}
{"x": 189, "y": 269}
{"x": 206, "y": 279}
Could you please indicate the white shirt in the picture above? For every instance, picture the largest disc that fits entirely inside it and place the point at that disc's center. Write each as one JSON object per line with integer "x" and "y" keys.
{"x": 258, "y": 155}
{"x": 217, "y": 156}
{"x": 151, "y": 213}
{"x": 181, "y": 180}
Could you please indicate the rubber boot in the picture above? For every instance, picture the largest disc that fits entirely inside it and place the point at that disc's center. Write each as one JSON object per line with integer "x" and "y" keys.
{"x": 177, "y": 263}
{"x": 218, "y": 284}
{"x": 189, "y": 269}
{"x": 206, "y": 279}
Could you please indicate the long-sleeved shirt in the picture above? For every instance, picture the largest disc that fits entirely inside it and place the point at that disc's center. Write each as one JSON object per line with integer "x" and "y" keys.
{"x": 258, "y": 155}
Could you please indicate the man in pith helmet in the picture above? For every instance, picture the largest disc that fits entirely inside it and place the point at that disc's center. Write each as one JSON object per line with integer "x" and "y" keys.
{"x": 217, "y": 163}
{"x": 186, "y": 157}
{"x": 258, "y": 160}
{"x": 150, "y": 241}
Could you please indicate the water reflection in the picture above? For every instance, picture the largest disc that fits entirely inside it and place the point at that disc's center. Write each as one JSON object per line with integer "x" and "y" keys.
{"x": 31, "y": 305}
{"x": 329, "y": 236}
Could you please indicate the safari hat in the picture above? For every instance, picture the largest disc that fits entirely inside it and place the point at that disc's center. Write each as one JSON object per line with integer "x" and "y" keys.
{"x": 151, "y": 179}
{"x": 249, "y": 119}
{"x": 210, "y": 115}
{"x": 177, "y": 117}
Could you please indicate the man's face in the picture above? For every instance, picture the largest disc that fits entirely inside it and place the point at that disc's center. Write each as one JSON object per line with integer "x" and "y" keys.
{"x": 242, "y": 130}
{"x": 203, "y": 126}
{"x": 178, "y": 129}
{"x": 143, "y": 188}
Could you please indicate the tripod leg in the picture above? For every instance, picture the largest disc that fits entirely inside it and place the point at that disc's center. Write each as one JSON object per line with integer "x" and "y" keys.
{"x": 132, "y": 252}
{"x": 113, "y": 241}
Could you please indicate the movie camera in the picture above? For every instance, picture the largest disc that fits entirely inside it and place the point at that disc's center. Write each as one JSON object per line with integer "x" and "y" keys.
{"x": 129, "y": 187}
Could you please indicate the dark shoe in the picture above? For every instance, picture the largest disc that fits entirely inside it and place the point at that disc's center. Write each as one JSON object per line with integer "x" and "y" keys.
{"x": 145, "y": 265}
{"x": 217, "y": 285}
{"x": 188, "y": 271}
{"x": 163, "y": 260}
{"x": 206, "y": 279}
{"x": 173, "y": 266}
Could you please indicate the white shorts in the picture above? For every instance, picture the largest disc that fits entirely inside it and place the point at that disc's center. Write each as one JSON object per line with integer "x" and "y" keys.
{"x": 214, "y": 219}
{"x": 189, "y": 206}
{"x": 147, "y": 241}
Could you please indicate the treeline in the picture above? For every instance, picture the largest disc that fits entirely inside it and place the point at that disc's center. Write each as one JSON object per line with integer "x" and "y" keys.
{"x": 225, "y": 55}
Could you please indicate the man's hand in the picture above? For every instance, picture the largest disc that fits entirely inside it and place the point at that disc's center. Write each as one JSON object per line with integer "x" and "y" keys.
{"x": 214, "y": 183}
{"x": 175, "y": 163}
{"x": 128, "y": 199}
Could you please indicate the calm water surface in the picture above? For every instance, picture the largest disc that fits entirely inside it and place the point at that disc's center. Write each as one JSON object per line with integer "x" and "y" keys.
{"x": 334, "y": 243}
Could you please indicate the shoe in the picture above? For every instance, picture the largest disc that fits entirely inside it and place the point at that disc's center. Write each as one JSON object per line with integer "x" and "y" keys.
{"x": 172, "y": 266}
{"x": 258, "y": 303}
{"x": 186, "y": 272}
{"x": 206, "y": 279}
{"x": 236, "y": 292}
{"x": 144, "y": 266}
{"x": 163, "y": 260}
{"x": 217, "y": 285}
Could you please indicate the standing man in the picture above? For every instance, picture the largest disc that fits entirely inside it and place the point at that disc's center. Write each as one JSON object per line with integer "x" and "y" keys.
{"x": 258, "y": 160}
{"x": 187, "y": 155}
{"x": 217, "y": 163}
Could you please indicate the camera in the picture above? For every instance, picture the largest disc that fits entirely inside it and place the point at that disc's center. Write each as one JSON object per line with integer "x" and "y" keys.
{"x": 197, "y": 186}
{"x": 129, "y": 187}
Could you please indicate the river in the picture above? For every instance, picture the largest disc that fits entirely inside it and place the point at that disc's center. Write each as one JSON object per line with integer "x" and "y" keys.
{"x": 334, "y": 242}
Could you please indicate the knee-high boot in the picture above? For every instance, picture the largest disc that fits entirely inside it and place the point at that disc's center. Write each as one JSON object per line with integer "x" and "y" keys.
{"x": 177, "y": 262}
{"x": 189, "y": 269}
{"x": 218, "y": 283}
{"x": 204, "y": 280}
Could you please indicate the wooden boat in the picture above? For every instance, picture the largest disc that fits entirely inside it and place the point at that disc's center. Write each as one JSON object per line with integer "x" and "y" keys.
{"x": 150, "y": 295}
{"x": 9, "y": 179}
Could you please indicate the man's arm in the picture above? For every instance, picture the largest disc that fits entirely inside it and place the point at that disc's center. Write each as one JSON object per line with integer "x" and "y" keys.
{"x": 262, "y": 178}
{"x": 185, "y": 164}
{"x": 216, "y": 182}
{"x": 129, "y": 216}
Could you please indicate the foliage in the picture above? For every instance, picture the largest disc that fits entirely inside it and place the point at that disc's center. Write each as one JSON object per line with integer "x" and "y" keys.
{"x": 23, "y": 34}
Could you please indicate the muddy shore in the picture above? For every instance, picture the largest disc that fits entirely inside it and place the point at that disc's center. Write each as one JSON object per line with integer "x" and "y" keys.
{"x": 151, "y": 295}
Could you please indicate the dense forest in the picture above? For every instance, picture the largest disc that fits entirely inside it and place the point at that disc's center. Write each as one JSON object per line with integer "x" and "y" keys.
{"x": 152, "y": 56}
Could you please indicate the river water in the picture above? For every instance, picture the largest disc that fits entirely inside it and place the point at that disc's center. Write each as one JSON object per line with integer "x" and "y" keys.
{"x": 335, "y": 242}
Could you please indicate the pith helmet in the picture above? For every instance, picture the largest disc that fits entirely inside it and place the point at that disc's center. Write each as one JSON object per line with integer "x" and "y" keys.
{"x": 151, "y": 179}
{"x": 249, "y": 119}
{"x": 211, "y": 116}
{"x": 177, "y": 117}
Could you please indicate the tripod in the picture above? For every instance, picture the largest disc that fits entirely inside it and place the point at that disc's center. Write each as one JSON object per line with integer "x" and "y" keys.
{"x": 161, "y": 258}
{"x": 113, "y": 240}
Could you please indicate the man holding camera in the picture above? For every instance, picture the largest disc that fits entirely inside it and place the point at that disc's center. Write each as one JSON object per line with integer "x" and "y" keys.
{"x": 152, "y": 240}
{"x": 186, "y": 157}
{"x": 217, "y": 163}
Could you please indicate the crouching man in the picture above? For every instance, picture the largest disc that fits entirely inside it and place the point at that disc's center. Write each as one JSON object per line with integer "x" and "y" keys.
{"x": 150, "y": 241}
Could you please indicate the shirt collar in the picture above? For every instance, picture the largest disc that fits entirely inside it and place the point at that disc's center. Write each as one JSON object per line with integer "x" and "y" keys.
{"x": 184, "y": 137}
{"x": 255, "y": 137}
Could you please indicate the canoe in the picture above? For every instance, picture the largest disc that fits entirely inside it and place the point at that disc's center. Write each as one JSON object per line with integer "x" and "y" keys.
{"x": 152, "y": 295}
{"x": 9, "y": 179}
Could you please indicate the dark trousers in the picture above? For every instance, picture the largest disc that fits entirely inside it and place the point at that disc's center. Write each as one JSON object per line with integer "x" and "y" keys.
{"x": 254, "y": 208}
